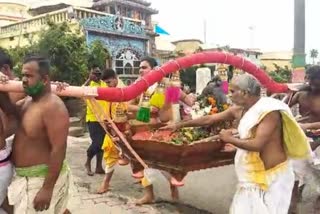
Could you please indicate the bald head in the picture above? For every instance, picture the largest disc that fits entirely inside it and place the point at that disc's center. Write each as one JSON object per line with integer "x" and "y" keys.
{"x": 248, "y": 83}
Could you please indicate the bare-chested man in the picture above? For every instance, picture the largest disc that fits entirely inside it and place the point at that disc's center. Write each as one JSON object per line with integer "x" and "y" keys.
{"x": 268, "y": 138}
{"x": 8, "y": 125}
{"x": 39, "y": 148}
{"x": 308, "y": 100}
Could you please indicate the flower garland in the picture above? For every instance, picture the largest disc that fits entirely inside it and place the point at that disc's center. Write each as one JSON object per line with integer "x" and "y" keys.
{"x": 216, "y": 107}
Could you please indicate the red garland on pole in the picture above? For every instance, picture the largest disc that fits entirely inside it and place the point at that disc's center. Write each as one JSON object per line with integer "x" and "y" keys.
{"x": 134, "y": 90}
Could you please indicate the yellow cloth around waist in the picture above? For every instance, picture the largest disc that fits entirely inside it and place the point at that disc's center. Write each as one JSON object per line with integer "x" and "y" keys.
{"x": 145, "y": 182}
{"x": 110, "y": 152}
{"x": 256, "y": 172}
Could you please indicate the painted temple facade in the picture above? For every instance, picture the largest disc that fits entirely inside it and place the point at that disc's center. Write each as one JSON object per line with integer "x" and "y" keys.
{"x": 124, "y": 27}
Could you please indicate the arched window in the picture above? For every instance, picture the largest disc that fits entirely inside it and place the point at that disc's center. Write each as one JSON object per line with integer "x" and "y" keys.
{"x": 127, "y": 63}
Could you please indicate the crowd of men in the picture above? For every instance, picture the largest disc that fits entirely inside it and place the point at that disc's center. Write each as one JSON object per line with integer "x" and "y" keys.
{"x": 274, "y": 157}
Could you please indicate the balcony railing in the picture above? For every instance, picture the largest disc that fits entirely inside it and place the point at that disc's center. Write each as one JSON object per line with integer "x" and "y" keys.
{"x": 36, "y": 23}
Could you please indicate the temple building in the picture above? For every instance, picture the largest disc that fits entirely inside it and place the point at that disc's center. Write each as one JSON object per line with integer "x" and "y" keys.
{"x": 124, "y": 27}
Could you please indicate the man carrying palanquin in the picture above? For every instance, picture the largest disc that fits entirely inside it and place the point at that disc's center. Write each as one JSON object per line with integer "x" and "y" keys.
{"x": 42, "y": 178}
{"x": 308, "y": 99}
{"x": 110, "y": 152}
{"x": 160, "y": 112}
{"x": 269, "y": 138}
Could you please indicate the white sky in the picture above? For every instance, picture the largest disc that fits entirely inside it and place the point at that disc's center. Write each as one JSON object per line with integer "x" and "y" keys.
{"x": 228, "y": 22}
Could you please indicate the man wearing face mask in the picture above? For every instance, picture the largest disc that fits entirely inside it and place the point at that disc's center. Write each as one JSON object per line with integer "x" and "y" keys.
{"x": 96, "y": 131}
{"x": 269, "y": 137}
{"x": 41, "y": 182}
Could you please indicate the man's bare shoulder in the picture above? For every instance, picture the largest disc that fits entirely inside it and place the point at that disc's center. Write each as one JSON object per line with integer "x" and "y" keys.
{"x": 53, "y": 103}
{"x": 301, "y": 94}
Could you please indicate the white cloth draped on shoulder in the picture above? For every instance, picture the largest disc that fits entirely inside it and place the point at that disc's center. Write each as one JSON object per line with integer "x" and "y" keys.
{"x": 267, "y": 191}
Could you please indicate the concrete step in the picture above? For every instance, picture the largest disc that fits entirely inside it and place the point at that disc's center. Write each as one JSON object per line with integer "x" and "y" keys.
{"x": 75, "y": 122}
{"x": 76, "y": 131}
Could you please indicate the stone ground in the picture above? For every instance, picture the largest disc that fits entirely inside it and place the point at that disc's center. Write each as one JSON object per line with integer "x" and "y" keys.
{"x": 205, "y": 191}
{"x": 119, "y": 200}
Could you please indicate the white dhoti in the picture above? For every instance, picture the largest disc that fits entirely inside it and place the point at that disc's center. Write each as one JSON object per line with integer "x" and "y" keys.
{"x": 6, "y": 171}
{"x": 250, "y": 198}
{"x": 23, "y": 190}
{"x": 260, "y": 190}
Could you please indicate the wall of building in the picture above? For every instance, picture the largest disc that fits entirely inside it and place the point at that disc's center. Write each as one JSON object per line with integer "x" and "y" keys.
{"x": 21, "y": 33}
{"x": 12, "y": 12}
{"x": 269, "y": 63}
{"x": 281, "y": 58}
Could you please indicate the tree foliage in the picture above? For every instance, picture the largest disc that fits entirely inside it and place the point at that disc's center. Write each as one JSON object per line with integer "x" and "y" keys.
{"x": 18, "y": 55}
{"x": 97, "y": 55}
{"x": 314, "y": 54}
{"x": 67, "y": 51}
{"x": 281, "y": 74}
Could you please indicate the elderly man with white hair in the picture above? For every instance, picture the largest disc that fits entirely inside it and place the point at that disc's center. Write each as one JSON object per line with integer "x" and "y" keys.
{"x": 268, "y": 138}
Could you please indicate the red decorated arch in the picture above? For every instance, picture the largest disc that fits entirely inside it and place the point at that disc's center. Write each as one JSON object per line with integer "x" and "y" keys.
{"x": 134, "y": 90}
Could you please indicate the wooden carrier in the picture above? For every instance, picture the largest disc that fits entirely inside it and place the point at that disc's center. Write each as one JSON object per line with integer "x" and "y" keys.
{"x": 175, "y": 159}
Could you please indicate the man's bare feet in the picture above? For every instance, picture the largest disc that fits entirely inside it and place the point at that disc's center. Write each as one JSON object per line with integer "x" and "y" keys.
{"x": 66, "y": 212}
{"x": 174, "y": 193}
{"x": 7, "y": 208}
{"x": 103, "y": 188}
{"x": 146, "y": 199}
{"x": 100, "y": 171}
{"x": 175, "y": 182}
{"x": 123, "y": 162}
{"x": 317, "y": 205}
{"x": 87, "y": 165}
{"x": 137, "y": 181}
{"x": 138, "y": 175}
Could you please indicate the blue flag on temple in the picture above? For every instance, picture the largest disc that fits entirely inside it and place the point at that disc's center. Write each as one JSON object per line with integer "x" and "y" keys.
{"x": 160, "y": 30}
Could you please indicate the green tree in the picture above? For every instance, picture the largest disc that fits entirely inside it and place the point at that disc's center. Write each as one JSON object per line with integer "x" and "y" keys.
{"x": 97, "y": 54}
{"x": 281, "y": 74}
{"x": 314, "y": 54}
{"x": 67, "y": 51}
{"x": 18, "y": 55}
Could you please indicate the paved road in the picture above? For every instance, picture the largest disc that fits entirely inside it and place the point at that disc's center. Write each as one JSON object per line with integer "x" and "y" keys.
{"x": 206, "y": 191}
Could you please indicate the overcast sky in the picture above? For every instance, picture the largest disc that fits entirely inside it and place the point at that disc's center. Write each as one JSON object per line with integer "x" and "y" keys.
{"x": 228, "y": 22}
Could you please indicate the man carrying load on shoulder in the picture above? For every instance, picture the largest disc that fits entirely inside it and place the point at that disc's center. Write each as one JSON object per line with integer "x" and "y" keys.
{"x": 269, "y": 138}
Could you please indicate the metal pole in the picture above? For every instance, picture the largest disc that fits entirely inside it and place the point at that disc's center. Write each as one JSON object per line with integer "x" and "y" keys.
{"x": 299, "y": 56}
